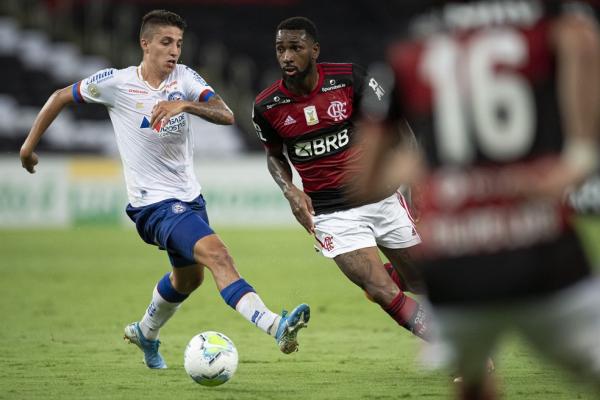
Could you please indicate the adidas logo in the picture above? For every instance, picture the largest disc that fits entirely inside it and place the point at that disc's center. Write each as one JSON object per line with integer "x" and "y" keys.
{"x": 289, "y": 120}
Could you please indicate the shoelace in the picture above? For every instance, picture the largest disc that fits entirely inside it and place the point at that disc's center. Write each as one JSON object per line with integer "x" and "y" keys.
{"x": 152, "y": 344}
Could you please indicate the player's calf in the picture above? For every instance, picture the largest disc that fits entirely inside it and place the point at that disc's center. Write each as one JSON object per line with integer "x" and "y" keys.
{"x": 389, "y": 268}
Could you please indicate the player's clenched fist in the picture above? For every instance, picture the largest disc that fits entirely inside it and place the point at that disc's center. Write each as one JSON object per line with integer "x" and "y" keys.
{"x": 29, "y": 160}
{"x": 164, "y": 110}
{"x": 302, "y": 208}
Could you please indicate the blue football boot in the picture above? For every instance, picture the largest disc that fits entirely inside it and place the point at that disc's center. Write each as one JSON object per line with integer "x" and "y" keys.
{"x": 288, "y": 328}
{"x": 152, "y": 357}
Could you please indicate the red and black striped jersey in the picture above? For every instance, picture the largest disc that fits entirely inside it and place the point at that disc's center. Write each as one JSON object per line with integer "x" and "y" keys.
{"x": 317, "y": 130}
{"x": 479, "y": 88}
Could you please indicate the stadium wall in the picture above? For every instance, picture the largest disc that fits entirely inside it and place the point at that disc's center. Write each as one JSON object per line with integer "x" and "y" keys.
{"x": 67, "y": 192}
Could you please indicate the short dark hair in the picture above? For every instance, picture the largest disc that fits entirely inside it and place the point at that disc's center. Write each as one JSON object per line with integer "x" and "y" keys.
{"x": 300, "y": 24}
{"x": 161, "y": 18}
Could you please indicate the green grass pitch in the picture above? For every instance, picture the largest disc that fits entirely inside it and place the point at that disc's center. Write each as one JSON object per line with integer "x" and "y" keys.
{"x": 67, "y": 294}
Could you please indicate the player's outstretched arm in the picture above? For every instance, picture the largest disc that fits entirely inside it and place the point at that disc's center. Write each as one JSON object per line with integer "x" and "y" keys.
{"x": 390, "y": 159}
{"x": 300, "y": 203}
{"x": 54, "y": 105}
{"x": 214, "y": 110}
{"x": 577, "y": 42}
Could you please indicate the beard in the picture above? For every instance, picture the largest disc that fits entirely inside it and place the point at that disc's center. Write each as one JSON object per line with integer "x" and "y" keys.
{"x": 299, "y": 76}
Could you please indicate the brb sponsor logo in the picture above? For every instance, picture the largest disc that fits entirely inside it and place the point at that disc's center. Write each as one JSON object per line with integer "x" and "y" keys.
{"x": 322, "y": 145}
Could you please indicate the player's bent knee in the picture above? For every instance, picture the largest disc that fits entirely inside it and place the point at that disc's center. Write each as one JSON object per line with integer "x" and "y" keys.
{"x": 219, "y": 258}
{"x": 214, "y": 255}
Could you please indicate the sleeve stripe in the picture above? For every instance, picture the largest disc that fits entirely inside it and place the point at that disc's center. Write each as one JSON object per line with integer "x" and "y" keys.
{"x": 268, "y": 91}
{"x": 205, "y": 95}
{"x": 76, "y": 89}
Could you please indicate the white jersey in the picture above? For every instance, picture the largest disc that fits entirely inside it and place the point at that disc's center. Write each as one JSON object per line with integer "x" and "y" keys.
{"x": 157, "y": 161}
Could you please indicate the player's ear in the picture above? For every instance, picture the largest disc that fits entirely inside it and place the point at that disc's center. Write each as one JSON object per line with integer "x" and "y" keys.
{"x": 144, "y": 44}
{"x": 316, "y": 49}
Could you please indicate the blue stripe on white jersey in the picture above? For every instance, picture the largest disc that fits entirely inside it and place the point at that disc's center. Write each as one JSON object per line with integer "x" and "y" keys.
{"x": 76, "y": 93}
{"x": 205, "y": 95}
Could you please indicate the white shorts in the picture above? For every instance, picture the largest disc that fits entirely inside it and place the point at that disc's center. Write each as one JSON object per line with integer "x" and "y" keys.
{"x": 386, "y": 223}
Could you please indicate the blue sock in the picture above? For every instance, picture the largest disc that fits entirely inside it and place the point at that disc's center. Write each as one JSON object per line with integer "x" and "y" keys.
{"x": 234, "y": 292}
{"x": 168, "y": 292}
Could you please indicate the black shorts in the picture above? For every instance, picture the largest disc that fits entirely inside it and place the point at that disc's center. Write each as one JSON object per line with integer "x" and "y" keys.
{"x": 508, "y": 275}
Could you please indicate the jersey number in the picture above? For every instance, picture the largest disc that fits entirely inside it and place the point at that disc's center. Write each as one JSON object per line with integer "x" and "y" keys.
{"x": 471, "y": 95}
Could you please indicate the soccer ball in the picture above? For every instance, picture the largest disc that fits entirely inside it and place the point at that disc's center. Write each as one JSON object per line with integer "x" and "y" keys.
{"x": 210, "y": 358}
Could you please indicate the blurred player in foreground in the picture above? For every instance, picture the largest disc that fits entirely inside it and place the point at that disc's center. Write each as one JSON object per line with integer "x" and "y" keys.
{"x": 309, "y": 114}
{"x": 504, "y": 99}
{"x": 148, "y": 106}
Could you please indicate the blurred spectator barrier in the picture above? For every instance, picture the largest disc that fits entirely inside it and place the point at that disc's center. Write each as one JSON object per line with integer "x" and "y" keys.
{"x": 66, "y": 192}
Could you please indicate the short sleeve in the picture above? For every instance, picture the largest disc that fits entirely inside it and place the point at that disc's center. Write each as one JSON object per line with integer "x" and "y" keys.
{"x": 196, "y": 88}
{"x": 372, "y": 97}
{"x": 265, "y": 132}
{"x": 100, "y": 88}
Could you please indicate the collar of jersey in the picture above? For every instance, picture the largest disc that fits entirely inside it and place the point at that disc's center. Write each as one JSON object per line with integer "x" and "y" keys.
{"x": 141, "y": 78}
{"x": 311, "y": 94}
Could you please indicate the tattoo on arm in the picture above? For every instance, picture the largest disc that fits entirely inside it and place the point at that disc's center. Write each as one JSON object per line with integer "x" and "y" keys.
{"x": 214, "y": 110}
{"x": 280, "y": 171}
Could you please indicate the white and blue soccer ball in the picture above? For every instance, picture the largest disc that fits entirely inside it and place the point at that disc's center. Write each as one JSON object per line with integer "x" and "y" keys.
{"x": 210, "y": 358}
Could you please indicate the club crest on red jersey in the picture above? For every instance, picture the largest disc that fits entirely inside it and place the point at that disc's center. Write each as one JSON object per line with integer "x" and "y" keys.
{"x": 337, "y": 110}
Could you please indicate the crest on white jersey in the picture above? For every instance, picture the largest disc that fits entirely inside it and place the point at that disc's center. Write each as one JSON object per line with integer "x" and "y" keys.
{"x": 176, "y": 95}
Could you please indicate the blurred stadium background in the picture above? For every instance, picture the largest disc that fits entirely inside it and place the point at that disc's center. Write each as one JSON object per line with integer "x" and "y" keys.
{"x": 47, "y": 45}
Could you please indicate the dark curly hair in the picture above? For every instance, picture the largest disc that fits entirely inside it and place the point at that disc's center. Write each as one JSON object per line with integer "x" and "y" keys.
{"x": 300, "y": 24}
